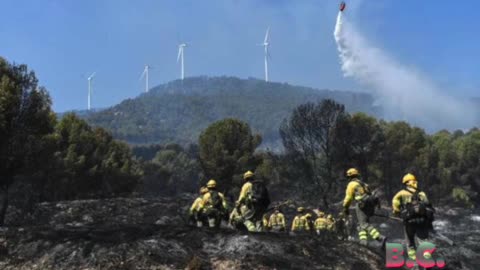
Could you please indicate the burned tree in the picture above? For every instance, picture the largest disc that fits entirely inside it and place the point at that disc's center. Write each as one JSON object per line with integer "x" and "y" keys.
{"x": 309, "y": 142}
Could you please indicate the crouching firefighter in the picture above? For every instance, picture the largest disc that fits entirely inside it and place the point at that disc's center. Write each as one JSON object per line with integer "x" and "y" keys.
{"x": 416, "y": 211}
{"x": 213, "y": 205}
{"x": 252, "y": 202}
{"x": 194, "y": 214}
{"x": 276, "y": 222}
{"x": 366, "y": 202}
{"x": 300, "y": 224}
{"x": 321, "y": 223}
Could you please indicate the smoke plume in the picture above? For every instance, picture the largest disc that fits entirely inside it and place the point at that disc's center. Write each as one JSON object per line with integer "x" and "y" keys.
{"x": 403, "y": 93}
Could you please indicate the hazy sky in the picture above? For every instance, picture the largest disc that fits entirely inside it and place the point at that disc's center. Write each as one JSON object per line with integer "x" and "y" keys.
{"x": 66, "y": 40}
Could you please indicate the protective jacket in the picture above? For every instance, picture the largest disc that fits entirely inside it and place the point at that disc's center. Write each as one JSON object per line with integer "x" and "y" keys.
{"x": 404, "y": 196}
{"x": 356, "y": 190}
{"x": 196, "y": 205}
{"x": 207, "y": 204}
{"x": 245, "y": 193}
{"x": 277, "y": 221}
{"x": 321, "y": 223}
{"x": 330, "y": 224}
{"x": 300, "y": 223}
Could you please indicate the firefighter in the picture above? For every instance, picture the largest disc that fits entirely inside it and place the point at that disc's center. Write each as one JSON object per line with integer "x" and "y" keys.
{"x": 213, "y": 205}
{"x": 194, "y": 213}
{"x": 413, "y": 206}
{"x": 365, "y": 203}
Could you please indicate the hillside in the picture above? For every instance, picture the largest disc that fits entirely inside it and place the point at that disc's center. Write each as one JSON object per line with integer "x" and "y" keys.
{"x": 178, "y": 111}
{"x": 80, "y": 113}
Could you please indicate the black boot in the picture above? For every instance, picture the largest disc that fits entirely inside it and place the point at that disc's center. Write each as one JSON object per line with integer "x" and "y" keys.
{"x": 383, "y": 240}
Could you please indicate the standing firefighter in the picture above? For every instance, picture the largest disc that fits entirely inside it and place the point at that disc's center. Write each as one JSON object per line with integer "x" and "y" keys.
{"x": 366, "y": 202}
{"x": 194, "y": 213}
{"x": 276, "y": 222}
{"x": 213, "y": 205}
{"x": 417, "y": 213}
{"x": 252, "y": 202}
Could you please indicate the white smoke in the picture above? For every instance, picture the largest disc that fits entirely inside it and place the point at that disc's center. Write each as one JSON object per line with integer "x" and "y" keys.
{"x": 404, "y": 93}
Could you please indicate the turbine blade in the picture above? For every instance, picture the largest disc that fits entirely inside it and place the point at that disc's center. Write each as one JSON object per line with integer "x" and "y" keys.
{"x": 266, "y": 35}
{"x": 143, "y": 74}
{"x": 91, "y": 76}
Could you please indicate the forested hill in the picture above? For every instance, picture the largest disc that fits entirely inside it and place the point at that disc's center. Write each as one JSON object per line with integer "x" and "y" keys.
{"x": 179, "y": 110}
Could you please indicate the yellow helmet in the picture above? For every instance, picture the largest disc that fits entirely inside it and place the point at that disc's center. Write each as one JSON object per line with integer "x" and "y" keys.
{"x": 247, "y": 175}
{"x": 321, "y": 214}
{"x": 352, "y": 172}
{"x": 300, "y": 209}
{"x": 211, "y": 183}
{"x": 203, "y": 190}
{"x": 308, "y": 215}
{"x": 408, "y": 177}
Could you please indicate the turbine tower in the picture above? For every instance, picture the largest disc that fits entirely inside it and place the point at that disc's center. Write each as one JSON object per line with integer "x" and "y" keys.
{"x": 181, "y": 49}
{"x": 265, "y": 44}
{"x": 90, "y": 89}
{"x": 145, "y": 74}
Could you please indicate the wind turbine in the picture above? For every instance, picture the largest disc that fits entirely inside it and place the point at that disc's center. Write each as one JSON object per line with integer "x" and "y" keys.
{"x": 90, "y": 89}
{"x": 145, "y": 74}
{"x": 181, "y": 49}
{"x": 265, "y": 44}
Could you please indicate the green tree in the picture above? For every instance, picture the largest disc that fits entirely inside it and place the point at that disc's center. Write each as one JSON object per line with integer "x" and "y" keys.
{"x": 438, "y": 163}
{"x": 468, "y": 164}
{"x": 180, "y": 166}
{"x": 403, "y": 146}
{"x": 89, "y": 163}
{"x": 25, "y": 118}
{"x": 226, "y": 148}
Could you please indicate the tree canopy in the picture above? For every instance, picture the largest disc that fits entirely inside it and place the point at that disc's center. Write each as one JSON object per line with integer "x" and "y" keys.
{"x": 226, "y": 148}
{"x": 25, "y": 118}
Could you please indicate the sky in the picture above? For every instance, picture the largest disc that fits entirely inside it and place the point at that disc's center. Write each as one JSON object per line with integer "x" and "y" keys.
{"x": 64, "y": 41}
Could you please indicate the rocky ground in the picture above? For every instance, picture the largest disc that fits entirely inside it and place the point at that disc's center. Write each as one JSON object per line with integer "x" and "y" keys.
{"x": 152, "y": 234}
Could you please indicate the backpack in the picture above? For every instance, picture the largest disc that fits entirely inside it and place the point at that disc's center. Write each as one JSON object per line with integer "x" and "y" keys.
{"x": 259, "y": 195}
{"x": 417, "y": 209}
{"x": 215, "y": 200}
{"x": 369, "y": 200}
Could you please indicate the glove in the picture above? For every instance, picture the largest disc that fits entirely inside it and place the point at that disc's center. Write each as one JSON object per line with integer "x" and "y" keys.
{"x": 346, "y": 212}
